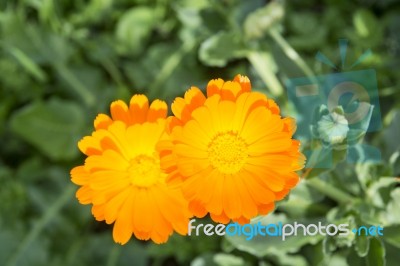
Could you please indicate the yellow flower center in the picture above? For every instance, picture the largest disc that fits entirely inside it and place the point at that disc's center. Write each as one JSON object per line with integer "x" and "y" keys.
{"x": 227, "y": 152}
{"x": 144, "y": 171}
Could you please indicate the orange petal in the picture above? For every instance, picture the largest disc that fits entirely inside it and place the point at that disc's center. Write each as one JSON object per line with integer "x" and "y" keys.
{"x": 110, "y": 160}
{"x": 214, "y": 120}
{"x": 178, "y": 106}
{"x": 113, "y": 206}
{"x": 191, "y": 184}
{"x": 264, "y": 209}
{"x": 122, "y": 231}
{"x": 158, "y": 109}
{"x": 220, "y": 218}
{"x": 260, "y": 123}
{"x": 249, "y": 208}
{"x": 119, "y": 111}
{"x": 271, "y": 143}
{"x": 194, "y": 97}
{"x": 292, "y": 180}
{"x": 84, "y": 195}
{"x": 274, "y": 181}
{"x": 138, "y": 108}
{"x": 172, "y": 207}
{"x": 231, "y": 201}
{"x": 193, "y": 135}
{"x": 104, "y": 195}
{"x": 90, "y": 145}
{"x": 289, "y": 125}
{"x": 197, "y": 209}
{"x": 245, "y": 105}
{"x": 162, "y": 228}
{"x": 202, "y": 116}
{"x": 79, "y": 175}
{"x": 244, "y": 82}
{"x": 106, "y": 179}
{"x": 172, "y": 122}
{"x": 281, "y": 194}
{"x": 143, "y": 210}
{"x": 226, "y": 112}
{"x": 216, "y": 203}
{"x": 102, "y": 121}
{"x": 260, "y": 194}
{"x": 230, "y": 90}
{"x": 208, "y": 185}
{"x": 98, "y": 212}
{"x": 214, "y": 86}
{"x": 242, "y": 220}
{"x": 273, "y": 107}
{"x": 278, "y": 162}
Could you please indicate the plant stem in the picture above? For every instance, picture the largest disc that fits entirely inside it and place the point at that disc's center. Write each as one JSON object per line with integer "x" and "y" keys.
{"x": 114, "y": 255}
{"x": 291, "y": 53}
{"x": 80, "y": 89}
{"x": 259, "y": 60}
{"x": 332, "y": 192}
{"x": 51, "y": 212}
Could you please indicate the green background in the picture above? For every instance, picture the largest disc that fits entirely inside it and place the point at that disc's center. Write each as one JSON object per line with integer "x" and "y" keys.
{"x": 62, "y": 62}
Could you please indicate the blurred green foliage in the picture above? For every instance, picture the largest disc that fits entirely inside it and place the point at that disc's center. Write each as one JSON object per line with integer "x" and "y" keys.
{"x": 62, "y": 62}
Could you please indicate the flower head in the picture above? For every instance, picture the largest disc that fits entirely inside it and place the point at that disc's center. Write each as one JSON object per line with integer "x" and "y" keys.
{"x": 232, "y": 149}
{"x": 122, "y": 177}
{"x": 333, "y": 128}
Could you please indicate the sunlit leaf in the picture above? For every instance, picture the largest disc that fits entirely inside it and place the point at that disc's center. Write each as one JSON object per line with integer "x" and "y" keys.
{"x": 222, "y": 47}
{"x": 134, "y": 28}
{"x": 263, "y": 19}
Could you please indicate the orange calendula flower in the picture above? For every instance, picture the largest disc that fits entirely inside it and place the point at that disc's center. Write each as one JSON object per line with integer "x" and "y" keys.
{"x": 122, "y": 178}
{"x": 232, "y": 149}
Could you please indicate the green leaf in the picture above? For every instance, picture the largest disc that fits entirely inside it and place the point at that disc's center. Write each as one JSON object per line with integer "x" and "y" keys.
{"x": 219, "y": 259}
{"x": 362, "y": 245}
{"x": 390, "y": 134}
{"x": 30, "y": 66}
{"x": 392, "y": 254}
{"x": 282, "y": 258}
{"x": 353, "y": 259}
{"x": 134, "y": 28}
{"x": 309, "y": 35}
{"x": 364, "y": 21}
{"x": 263, "y": 19}
{"x": 367, "y": 27}
{"x": 376, "y": 254}
{"x": 314, "y": 254}
{"x": 393, "y": 208}
{"x": 228, "y": 260}
{"x": 391, "y": 234}
{"x": 93, "y": 11}
{"x": 53, "y": 127}
{"x": 222, "y": 47}
{"x": 379, "y": 191}
{"x": 303, "y": 201}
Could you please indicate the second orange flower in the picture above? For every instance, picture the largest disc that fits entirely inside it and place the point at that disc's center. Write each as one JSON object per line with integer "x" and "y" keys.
{"x": 232, "y": 150}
